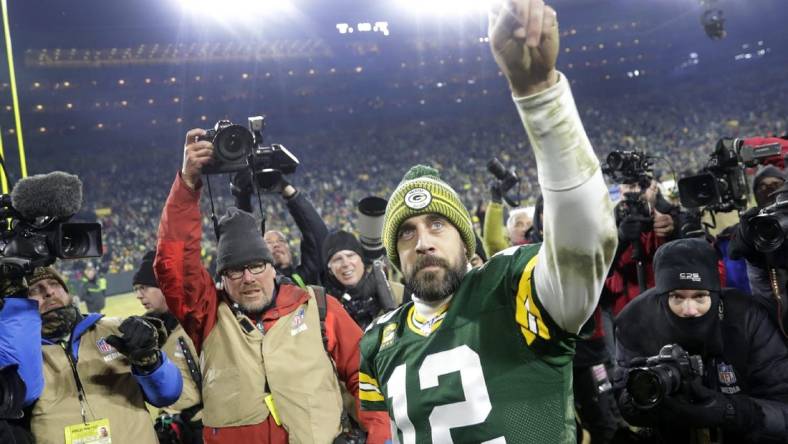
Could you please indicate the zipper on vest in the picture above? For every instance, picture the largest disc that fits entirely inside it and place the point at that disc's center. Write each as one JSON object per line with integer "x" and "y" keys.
{"x": 80, "y": 388}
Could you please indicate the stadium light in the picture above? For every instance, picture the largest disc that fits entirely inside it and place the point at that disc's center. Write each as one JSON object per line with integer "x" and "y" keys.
{"x": 227, "y": 11}
{"x": 448, "y": 7}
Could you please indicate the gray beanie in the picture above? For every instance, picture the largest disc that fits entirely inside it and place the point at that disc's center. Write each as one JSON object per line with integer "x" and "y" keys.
{"x": 240, "y": 241}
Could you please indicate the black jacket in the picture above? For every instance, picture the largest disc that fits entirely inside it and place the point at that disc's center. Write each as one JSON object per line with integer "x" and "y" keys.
{"x": 313, "y": 233}
{"x": 743, "y": 353}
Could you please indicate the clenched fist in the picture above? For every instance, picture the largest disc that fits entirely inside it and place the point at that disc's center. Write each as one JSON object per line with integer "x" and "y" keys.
{"x": 524, "y": 39}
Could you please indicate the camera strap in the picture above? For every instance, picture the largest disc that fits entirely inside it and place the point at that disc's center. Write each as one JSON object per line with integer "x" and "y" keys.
{"x": 214, "y": 219}
{"x": 194, "y": 370}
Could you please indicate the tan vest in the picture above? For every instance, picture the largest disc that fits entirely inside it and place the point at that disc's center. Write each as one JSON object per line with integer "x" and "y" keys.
{"x": 111, "y": 391}
{"x": 397, "y": 291}
{"x": 190, "y": 396}
{"x": 290, "y": 358}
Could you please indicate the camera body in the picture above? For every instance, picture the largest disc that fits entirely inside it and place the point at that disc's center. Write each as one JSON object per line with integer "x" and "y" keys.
{"x": 768, "y": 229}
{"x": 237, "y": 148}
{"x": 657, "y": 377}
{"x": 722, "y": 185}
{"x": 629, "y": 167}
{"x": 632, "y": 204}
{"x": 507, "y": 179}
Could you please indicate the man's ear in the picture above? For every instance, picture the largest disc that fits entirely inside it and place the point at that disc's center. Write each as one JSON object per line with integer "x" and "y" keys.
{"x": 220, "y": 284}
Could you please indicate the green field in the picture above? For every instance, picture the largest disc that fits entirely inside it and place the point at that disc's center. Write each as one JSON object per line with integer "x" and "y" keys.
{"x": 121, "y": 306}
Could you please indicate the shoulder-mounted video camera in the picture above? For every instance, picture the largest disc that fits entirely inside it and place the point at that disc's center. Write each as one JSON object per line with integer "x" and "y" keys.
{"x": 722, "y": 185}
{"x": 34, "y": 227}
{"x": 237, "y": 148}
{"x": 657, "y": 377}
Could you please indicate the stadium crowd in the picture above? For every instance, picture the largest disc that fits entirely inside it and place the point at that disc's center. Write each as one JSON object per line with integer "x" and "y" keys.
{"x": 340, "y": 167}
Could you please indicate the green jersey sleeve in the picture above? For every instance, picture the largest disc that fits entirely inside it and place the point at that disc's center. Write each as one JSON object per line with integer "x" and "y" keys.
{"x": 540, "y": 332}
{"x": 368, "y": 386}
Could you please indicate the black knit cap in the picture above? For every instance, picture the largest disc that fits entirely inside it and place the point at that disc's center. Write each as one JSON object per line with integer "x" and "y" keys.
{"x": 686, "y": 264}
{"x": 240, "y": 241}
{"x": 338, "y": 241}
{"x": 144, "y": 274}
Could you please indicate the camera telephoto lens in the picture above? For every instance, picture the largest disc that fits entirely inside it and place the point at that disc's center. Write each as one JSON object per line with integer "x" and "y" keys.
{"x": 232, "y": 143}
{"x": 644, "y": 388}
{"x": 649, "y": 386}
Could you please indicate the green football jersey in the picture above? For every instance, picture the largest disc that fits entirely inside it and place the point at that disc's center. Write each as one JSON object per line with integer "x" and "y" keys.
{"x": 493, "y": 368}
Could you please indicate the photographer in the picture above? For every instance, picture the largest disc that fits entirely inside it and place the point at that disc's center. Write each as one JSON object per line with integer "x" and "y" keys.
{"x": 98, "y": 372}
{"x": 358, "y": 283}
{"x": 21, "y": 379}
{"x": 272, "y": 354}
{"x": 642, "y": 228}
{"x": 310, "y": 224}
{"x": 767, "y": 273}
{"x": 735, "y": 388}
{"x": 518, "y": 223}
{"x": 180, "y": 422}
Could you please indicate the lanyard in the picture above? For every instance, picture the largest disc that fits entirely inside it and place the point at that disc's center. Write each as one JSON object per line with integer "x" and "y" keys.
{"x": 80, "y": 387}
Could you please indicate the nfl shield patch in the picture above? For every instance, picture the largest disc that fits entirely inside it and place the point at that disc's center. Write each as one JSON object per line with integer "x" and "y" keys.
{"x": 298, "y": 324}
{"x": 726, "y": 374}
{"x": 103, "y": 347}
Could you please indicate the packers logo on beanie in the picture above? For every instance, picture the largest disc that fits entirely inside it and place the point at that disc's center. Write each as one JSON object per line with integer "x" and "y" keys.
{"x": 423, "y": 192}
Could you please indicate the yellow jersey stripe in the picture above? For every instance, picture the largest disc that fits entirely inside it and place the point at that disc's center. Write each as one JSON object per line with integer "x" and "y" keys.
{"x": 527, "y": 313}
{"x": 370, "y": 396}
{"x": 364, "y": 378}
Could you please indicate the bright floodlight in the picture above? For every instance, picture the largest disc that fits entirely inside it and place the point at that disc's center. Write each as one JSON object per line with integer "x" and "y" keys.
{"x": 236, "y": 10}
{"x": 448, "y": 7}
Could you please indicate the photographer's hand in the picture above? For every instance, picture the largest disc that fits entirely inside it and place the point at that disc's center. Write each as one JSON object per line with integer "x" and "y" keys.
{"x": 139, "y": 343}
{"x": 496, "y": 195}
{"x": 630, "y": 228}
{"x": 196, "y": 154}
{"x": 710, "y": 408}
{"x": 663, "y": 224}
{"x": 524, "y": 39}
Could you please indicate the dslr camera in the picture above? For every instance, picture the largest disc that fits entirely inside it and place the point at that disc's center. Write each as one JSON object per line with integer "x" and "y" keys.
{"x": 656, "y": 377}
{"x": 506, "y": 179}
{"x": 237, "y": 148}
{"x": 768, "y": 229}
{"x": 34, "y": 227}
{"x": 722, "y": 185}
{"x": 630, "y": 167}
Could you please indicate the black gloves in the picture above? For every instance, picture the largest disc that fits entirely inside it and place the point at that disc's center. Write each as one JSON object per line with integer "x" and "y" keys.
{"x": 710, "y": 408}
{"x": 141, "y": 340}
{"x": 631, "y": 226}
{"x": 697, "y": 407}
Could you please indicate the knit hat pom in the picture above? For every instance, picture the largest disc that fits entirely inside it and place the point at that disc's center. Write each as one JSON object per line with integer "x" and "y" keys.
{"x": 417, "y": 171}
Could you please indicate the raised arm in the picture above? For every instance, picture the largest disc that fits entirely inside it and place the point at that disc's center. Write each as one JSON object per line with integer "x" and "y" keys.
{"x": 579, "y": 229}
{"x": 187, "y": 286}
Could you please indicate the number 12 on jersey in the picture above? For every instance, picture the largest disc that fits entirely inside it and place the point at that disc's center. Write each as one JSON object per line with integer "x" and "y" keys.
{"x": 443, "y": 418}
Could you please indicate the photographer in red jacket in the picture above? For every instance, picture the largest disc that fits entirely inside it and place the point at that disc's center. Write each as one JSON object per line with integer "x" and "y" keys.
{"x": 268, "y": 377}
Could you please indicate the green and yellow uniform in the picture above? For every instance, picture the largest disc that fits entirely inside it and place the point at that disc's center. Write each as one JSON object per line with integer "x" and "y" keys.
{"x": 493, "y": 368}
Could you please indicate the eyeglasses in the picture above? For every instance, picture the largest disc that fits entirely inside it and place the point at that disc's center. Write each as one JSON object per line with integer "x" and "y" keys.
{"x": 237, "y": 273}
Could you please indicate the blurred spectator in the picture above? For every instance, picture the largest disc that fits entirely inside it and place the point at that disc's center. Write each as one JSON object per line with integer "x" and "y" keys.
{"x": 93, "y": 290}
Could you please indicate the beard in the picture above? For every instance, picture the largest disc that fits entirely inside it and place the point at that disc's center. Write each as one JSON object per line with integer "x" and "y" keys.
{"x": 433, "y": 286}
